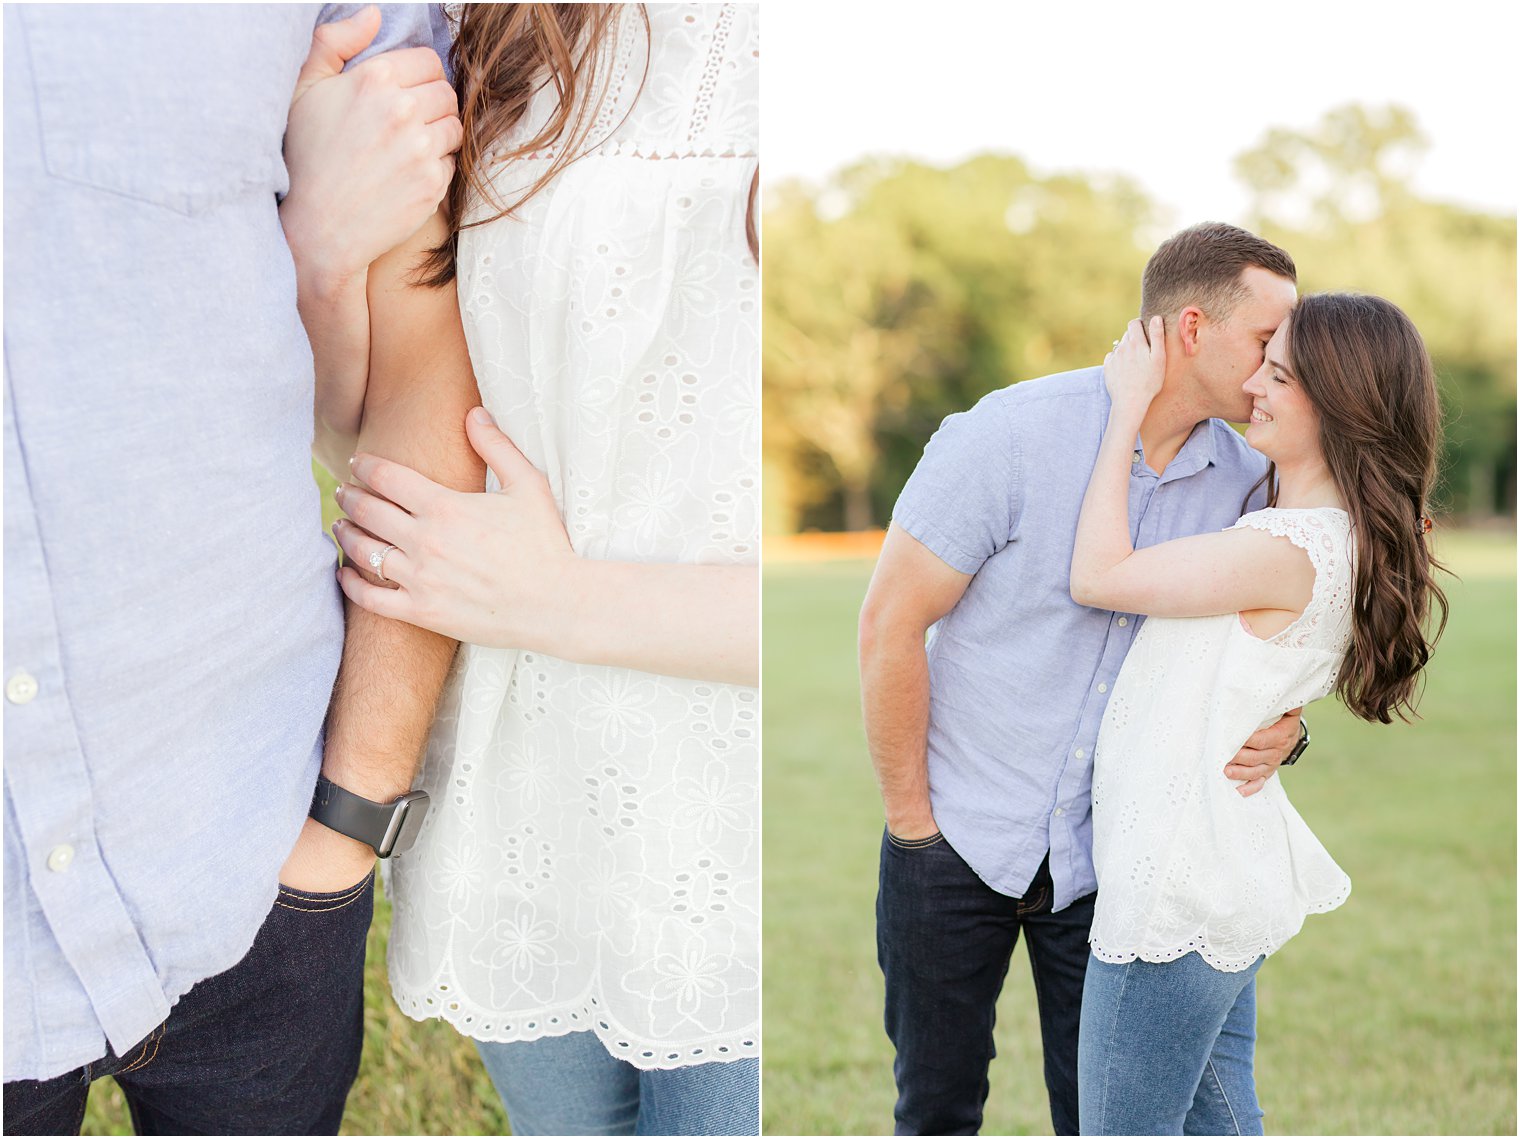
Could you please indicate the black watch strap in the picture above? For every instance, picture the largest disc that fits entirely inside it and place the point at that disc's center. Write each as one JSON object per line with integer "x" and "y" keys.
{"x": 1301, "y": 746}
{"x": 389, "y": 828}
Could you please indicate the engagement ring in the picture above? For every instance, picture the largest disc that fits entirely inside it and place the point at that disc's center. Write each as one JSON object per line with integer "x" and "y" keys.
{"x": 377, "y": 562}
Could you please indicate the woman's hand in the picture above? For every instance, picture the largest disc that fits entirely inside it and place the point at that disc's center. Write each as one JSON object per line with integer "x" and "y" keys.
{"x": 369, "y": 151}
{"x": 1134, "y": 370}
{"x": 498, "y": 570}
{"x": 488, "y": 568}
{"x": 370, "y": 155}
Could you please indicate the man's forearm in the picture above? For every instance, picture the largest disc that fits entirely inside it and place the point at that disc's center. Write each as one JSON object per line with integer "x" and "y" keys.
{"x": 382, "y": 707}
{"x": 387, "y": 691}
{"x": 377, "y": 725}
{"x": 392, "y": 673}
{"x": 894, "y": 680}
{"x": 420, "y": 387}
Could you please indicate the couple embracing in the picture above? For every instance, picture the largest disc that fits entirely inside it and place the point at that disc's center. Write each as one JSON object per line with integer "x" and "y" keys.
{"x": 1130, "y": 605}
{"x": 525, "y": 302}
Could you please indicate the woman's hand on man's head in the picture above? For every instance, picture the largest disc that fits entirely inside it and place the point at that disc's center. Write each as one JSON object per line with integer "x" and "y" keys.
{"x": 1134, "y": 371}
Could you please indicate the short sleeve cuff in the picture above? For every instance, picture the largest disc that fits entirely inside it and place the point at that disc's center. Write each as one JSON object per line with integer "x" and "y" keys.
{"x": 937, "y": 541}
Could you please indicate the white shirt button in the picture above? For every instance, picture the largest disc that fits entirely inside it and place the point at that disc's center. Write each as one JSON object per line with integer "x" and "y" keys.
{"x": 1136, "y": 459}
{"x": 60, "y": 858}
{"x": 20, "y": 688}
{"x": 1060, "y": 811}
{"x": 1102, "y": 688}
{"x": 1123, "y": 621}
{"x": 1080, "y": 754}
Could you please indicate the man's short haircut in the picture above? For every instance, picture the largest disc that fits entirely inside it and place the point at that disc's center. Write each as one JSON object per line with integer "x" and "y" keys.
{"x": 1203, "y": 266}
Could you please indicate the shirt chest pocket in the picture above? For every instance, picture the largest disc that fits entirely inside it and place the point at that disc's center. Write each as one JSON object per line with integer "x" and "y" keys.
{"x": 183, "y": 106}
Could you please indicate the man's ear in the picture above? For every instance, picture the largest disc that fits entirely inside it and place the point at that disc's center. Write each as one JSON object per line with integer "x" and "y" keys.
{"x": 1189, "y": 322}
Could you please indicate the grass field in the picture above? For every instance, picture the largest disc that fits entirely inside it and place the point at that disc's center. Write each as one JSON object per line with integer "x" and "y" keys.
{"x": 1393, "y": 1015}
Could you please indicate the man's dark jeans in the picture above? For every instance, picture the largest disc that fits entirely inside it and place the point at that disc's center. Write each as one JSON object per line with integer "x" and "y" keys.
{"x": 270, "y": 1047}
{"x": 944, "y": 939}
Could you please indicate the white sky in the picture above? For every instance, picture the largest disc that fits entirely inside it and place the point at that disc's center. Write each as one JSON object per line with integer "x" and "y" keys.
{"x": 1165, "y": 94}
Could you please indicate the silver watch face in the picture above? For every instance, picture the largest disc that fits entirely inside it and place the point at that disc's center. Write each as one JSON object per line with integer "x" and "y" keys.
{"x": 406, "y": 821}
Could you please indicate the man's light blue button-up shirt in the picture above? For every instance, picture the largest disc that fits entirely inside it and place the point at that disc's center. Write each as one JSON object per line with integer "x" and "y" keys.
{"x": 1019, "y": 674}
{"x": 172, "y": 625}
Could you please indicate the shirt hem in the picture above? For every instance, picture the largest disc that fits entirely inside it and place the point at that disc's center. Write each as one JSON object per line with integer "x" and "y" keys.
{"x": 580, "y": 1016}
{"x": 950, "y": 827}
{"x": 1225, "y": 961}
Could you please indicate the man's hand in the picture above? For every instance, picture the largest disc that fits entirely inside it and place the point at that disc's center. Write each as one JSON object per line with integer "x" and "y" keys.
{"x": 911, "y": 828}
{"x": 1264, "y": 752}
{"x": 324, "y": 860}
{"x": 369, "y": 151}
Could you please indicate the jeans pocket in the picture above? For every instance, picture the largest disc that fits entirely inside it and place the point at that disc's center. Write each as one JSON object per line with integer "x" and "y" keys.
{"x": 915, "y": 843}
{"x": 308, "y": 901}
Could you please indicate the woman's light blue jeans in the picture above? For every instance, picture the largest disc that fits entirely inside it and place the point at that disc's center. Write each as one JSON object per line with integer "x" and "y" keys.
{"x": 571, "y": 1085}
{"x": 1168, "y": 1049}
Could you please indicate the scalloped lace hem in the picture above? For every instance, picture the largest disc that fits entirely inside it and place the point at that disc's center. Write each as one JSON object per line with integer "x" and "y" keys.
{"x": 575, "y": 1016}
{"x": 1225, "y": 963}
{"x": 630, "y": 148}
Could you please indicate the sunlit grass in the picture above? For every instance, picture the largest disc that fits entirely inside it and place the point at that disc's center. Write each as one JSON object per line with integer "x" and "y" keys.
{"x": 1393, "y": 1015}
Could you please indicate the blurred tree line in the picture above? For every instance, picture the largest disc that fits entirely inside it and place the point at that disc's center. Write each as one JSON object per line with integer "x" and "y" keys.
{"x": 901, "y": 293}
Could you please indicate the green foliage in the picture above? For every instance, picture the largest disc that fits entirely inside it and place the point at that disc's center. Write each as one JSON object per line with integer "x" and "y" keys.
{"x": 906, "y": 292}
{"x": 1352, "y": 165}
{"x": 1393, "y": 1015}
{"x": 902, "y": 292}
{"x": 1451, "y": 269}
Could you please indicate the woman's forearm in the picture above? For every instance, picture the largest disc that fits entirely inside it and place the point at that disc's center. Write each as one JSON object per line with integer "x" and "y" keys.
{"x": 1103, "y": 539}
{"x": 498, "y": 569}
{"x": 1133, "y": 373}
{"x": 335, "y": 312}
{"x": 699, "y": 622}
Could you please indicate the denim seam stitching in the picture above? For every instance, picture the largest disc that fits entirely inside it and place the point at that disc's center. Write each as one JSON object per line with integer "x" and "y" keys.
{"x": 341, "y": 899}
{"x": 1108, "y": 1068}
{"x": 916, "y": 843}
{"x": 145, "y": 1059}
{"x": 318, "y": 909}
{"x": 340, "y": 896}
{"x": 1218, "y": 1083}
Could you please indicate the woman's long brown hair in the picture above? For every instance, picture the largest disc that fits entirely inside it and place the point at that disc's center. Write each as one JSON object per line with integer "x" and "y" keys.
{"x": 501, "y": 56}
{"x": 1364, "y": 367}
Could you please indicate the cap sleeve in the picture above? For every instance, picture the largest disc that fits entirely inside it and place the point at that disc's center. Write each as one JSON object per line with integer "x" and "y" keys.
{"x": 1324, "y": 533}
